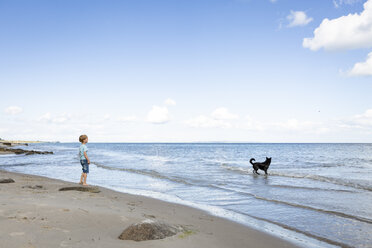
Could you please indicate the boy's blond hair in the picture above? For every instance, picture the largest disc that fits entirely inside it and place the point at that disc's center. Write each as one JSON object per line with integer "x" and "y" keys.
{"x": 82, "y": 138}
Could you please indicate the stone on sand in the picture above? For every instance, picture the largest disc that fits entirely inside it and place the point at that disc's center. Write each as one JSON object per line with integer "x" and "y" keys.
{"x": 149, "y": 230}
{"x": 33, "y": 187}
{"x": 81, "y": 188}
{"x": 6, "y": 180}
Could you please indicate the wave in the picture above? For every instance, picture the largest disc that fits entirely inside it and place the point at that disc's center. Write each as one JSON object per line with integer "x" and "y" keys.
{"x": 11, "y": 165}
{"x": 322, "y": 164}
{"x": 355, "y": 163}
{"x": 236, "y": 169}
{"x": 331, "y": 212}
{"x": 337, "y": 181}
{"x": 156, "y": 174}
{"x": 135, "y": 156}
{"x": 150, "y": 173}
{"x": 323, "y": 239}
{"x": 324, "y": 179}
{"x": 309, "y": 188}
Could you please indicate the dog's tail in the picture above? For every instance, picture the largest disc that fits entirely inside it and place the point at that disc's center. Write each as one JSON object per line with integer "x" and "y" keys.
{"x": 251, "y": 161}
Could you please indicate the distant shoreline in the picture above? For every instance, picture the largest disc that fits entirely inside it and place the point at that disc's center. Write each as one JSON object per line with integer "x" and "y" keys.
{"x": 17, "y": 142}
{"x": 206, "y": 143}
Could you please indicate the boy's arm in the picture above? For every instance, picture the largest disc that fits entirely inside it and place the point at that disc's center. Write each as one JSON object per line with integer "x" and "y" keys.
{"x": 86, "y": 156}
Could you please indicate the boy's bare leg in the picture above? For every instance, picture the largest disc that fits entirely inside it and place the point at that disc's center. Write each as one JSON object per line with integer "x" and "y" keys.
{"x": 81, "y": 178}
{"x": 85, "y": 179}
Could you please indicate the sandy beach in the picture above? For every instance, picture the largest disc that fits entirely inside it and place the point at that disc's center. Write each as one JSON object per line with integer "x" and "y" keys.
{"x": 34, "y": 213}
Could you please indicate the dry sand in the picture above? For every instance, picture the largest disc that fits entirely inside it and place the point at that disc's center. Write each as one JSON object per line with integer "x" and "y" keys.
{"x": 34, "y": 213}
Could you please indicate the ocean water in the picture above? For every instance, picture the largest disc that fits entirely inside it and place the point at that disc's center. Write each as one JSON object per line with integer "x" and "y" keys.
{"x": 317, "y": 195}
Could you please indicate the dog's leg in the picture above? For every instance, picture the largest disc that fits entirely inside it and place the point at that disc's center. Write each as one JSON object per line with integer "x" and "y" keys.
{"x": 266, "y": 172}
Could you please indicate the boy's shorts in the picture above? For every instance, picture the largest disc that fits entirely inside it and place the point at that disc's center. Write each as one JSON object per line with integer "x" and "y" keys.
{"x": 85, "y": 165}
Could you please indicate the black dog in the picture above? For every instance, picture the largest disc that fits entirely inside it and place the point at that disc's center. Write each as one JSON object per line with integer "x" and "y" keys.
{"x": 260, "y": 166}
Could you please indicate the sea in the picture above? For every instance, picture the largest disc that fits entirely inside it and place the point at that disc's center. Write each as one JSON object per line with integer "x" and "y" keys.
{"x": 315, "y": 195}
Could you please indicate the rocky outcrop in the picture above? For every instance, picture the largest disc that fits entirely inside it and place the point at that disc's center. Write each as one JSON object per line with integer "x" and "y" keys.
{"x": 11, "y": 143}
{"x": 149, "y": 230}
{"x": 6, "y": 180}
{"x": 81, "y": 188}
{"x": 22, "y": 151}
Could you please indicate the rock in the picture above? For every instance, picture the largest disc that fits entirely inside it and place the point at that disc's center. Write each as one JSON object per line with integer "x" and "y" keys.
{"x": 21, "y": 151}
{"x": 149, "y": 230}
{"x": 10, "y": 143}
{"x": 7, "y": 180}
{"x": 33, "y": 187}
{"x": 81, "y": 188}
{"x": 149, "y": 216}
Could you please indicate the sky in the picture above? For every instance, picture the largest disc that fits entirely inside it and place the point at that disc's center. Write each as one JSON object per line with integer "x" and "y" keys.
{"x": 186, "y": 70}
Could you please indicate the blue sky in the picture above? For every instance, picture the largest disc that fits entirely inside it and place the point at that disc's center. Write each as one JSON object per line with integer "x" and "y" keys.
{"x": 196, "y": 70}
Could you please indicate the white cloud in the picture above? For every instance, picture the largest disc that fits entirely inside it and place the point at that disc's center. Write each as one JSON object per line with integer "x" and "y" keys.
{"x": 346, "y": 32}
{"x": 3, "y": 130}
{"x": 286, "y": 125}
{"x": 62, "y": 118}
{"x": 250, "y": 124}
{"x": 365, "y": 118}
{"x": 129, "y": 118}
{"x": 207, "y": 122}
{"x": 353, "y": 31}
{"x": 45, "y": 117}
{"x": 55, "y": 126}
{"x": 363, "y": 121}
{"x": 297, "y": 125}
{"x": 223, "y": 114}
{"x": 158, "y": 115}
{"x": 220, "y": 117}
{"x": 298, "y": 18}
{"x": 362, "y": 68}
{"x": 338, "y": 3}
{"x": 170, "y": 102}
{"x": 273, "y": 1}
{"x": 13, "y": 110}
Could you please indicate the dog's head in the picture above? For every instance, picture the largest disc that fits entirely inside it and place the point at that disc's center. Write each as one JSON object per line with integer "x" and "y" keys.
{"x": 268, "y": 159}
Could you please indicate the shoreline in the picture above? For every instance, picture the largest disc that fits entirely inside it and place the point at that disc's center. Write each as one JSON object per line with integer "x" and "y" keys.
{"x": 45, "y": 217}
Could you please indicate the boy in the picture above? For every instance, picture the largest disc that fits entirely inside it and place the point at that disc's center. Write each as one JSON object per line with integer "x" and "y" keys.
{"x": 84, "y": 160}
